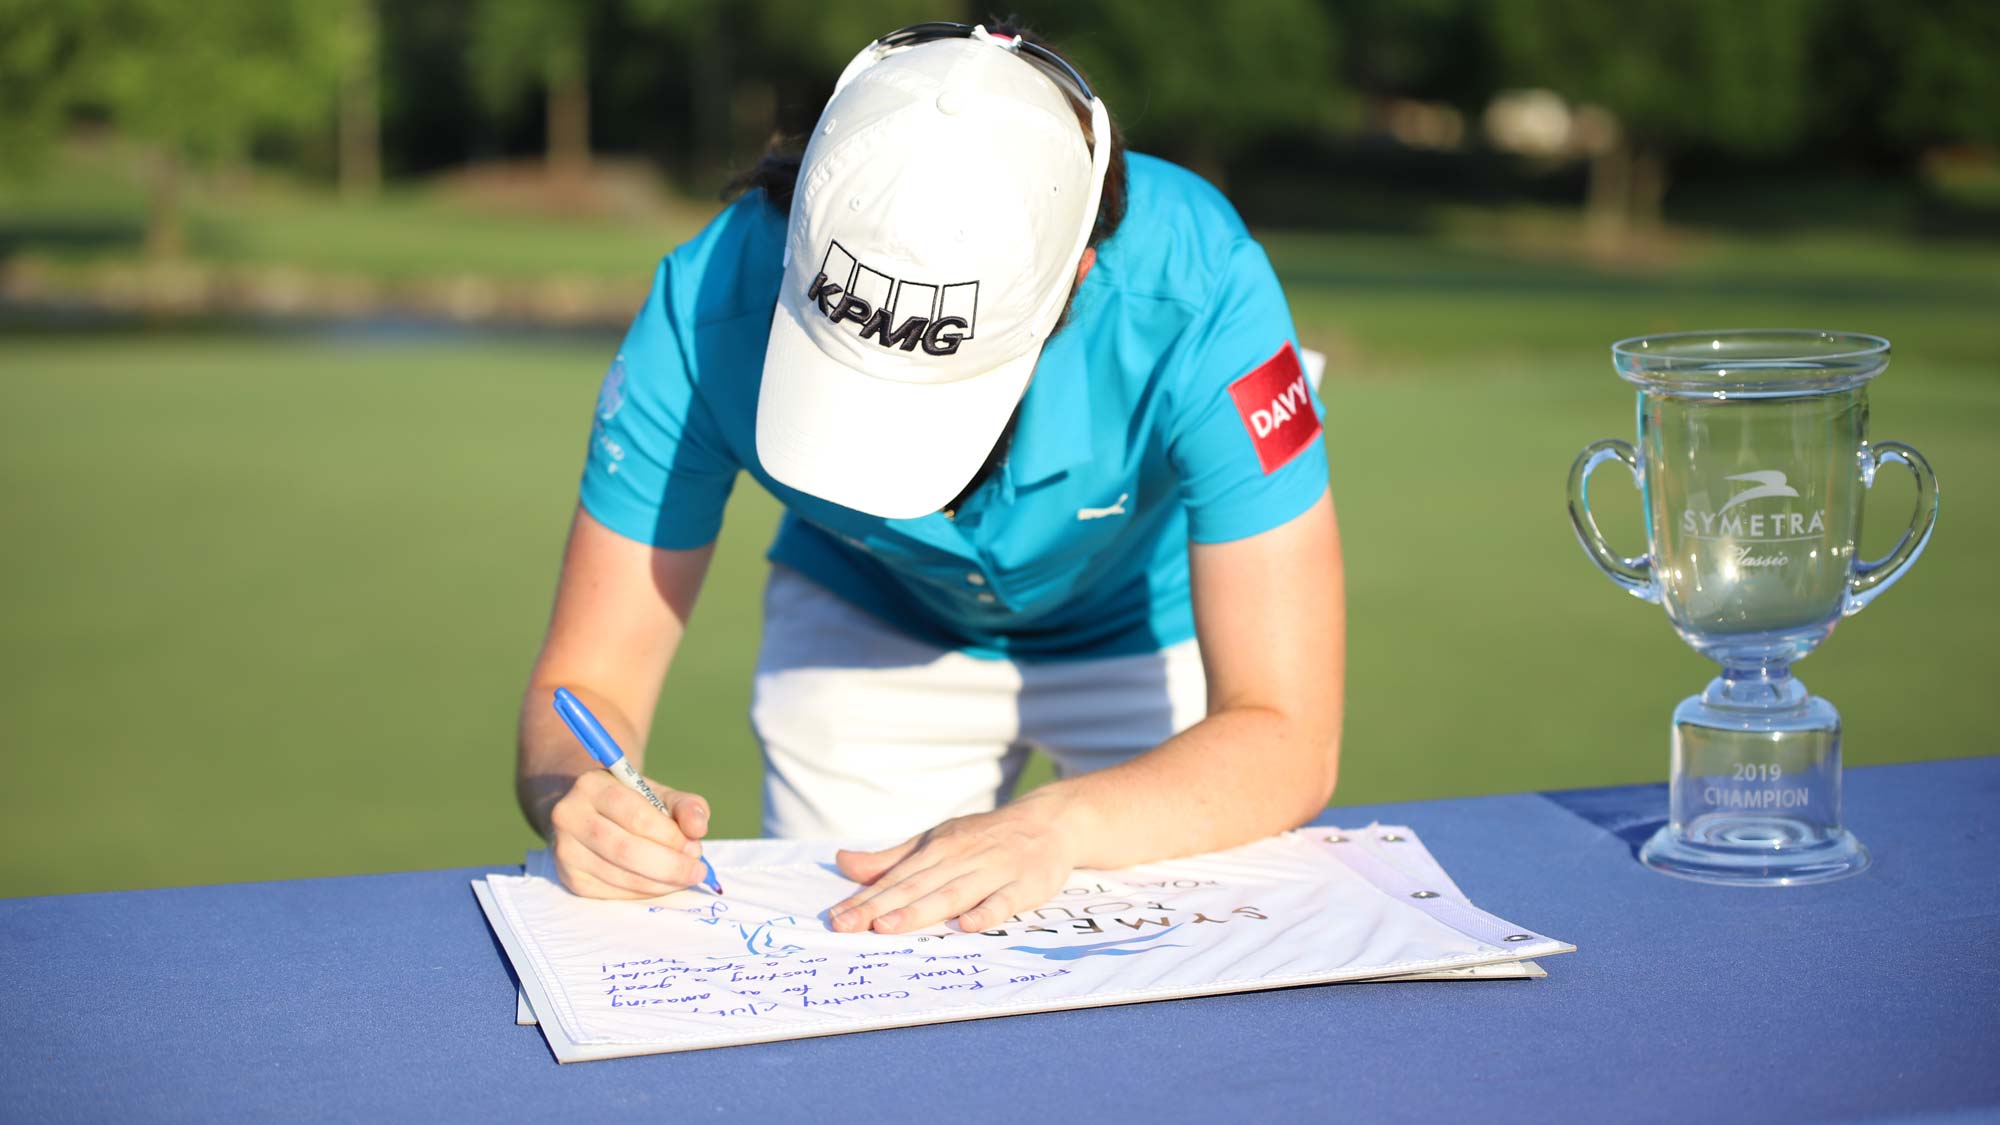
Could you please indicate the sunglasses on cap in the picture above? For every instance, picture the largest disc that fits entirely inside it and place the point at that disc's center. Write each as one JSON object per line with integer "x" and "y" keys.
{"x": 1048, "y": 62}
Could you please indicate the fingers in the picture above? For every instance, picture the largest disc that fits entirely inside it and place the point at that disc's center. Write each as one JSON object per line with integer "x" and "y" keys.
{"x": 996, "y": 908}
{"x": 866, "y": 867}
{"x": 585, "y": 874}
{"x": 978, "y": 896}
{"x": 690, "y": 811}
{"x": 609, "y": 842}
{"x": 947, "y": 901}
{"x": 635, "y": 814}
{"x": 904, "y": 883}
{"x": 617, "y": 858}
{"x": 980, "y": 870}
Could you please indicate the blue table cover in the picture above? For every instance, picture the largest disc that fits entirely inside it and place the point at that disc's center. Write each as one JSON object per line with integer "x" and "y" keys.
{"x": 384, "y": 997}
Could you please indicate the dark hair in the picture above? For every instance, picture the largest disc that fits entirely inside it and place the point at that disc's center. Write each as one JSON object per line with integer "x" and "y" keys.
{"x": 776, "y": 173}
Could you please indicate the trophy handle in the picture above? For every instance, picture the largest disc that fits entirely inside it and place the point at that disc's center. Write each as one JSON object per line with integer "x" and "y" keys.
{"x": 1873, "y": 577}
{"x": 1634, "y": 574}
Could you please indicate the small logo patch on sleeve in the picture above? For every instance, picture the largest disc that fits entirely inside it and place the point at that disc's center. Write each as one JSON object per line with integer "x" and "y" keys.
{"x": 1277, "y": 409}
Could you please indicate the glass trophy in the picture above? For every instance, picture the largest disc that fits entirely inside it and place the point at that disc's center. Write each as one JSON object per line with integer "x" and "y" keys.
{"x": 1752, "y": 462}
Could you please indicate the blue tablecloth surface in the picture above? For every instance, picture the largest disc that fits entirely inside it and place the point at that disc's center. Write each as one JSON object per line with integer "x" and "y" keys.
{"x": 384, "y": 997}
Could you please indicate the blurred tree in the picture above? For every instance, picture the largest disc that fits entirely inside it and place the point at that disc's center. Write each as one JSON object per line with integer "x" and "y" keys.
{"x": 520, "y": 44}
{"x": 1898, "y": 79}
{"x": 1434, "y": 49}
{"x": 1182, "y": 77}
{"x": 707, "y": 31}
{"x": 360, "y": 124}
{"x": 821, "y": 37}
{"x": 798, "y": 47}
{"x": 39, "y": 42}
{"x": 1200, "y": 82}
{"x": 1947, "y": 55}
{"x": 1676, "y": 73}
{"x": 432, "y": 114}
{"x": 194, "y": 83}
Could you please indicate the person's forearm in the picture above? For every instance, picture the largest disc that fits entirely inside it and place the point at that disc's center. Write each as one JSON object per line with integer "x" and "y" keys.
{"x": 549, "y": 757}
{"x": 1240, "y": 774}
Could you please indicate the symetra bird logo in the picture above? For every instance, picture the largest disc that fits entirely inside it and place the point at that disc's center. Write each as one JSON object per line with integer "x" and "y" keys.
{"x": 1769, "y": 482}
{"x": 1744, "y": 534}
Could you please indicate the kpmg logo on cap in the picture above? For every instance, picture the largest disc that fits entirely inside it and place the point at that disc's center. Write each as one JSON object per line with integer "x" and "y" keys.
{"x": 897, "y": 313}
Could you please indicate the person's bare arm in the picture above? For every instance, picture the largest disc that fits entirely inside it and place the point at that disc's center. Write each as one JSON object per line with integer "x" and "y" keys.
{"x": 1270, "y": 613}
{"x": 620, "y": 610}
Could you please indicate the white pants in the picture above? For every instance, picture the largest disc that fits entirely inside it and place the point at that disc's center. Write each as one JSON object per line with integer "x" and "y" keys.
{"x": 870, "y": 734}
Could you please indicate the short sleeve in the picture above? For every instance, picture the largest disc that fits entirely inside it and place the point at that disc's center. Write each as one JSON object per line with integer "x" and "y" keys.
{"x": 657, "y": 471}
{"x": 1245, "y": 437}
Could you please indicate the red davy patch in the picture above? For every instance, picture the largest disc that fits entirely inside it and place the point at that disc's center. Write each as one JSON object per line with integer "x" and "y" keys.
{"x": 1277, "y": 409}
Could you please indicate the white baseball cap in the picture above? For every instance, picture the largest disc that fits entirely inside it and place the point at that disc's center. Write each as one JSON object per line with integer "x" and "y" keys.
{"x": 944, "y": 202}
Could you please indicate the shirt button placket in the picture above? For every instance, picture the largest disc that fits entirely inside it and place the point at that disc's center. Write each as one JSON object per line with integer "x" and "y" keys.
{"x": 977, "y": 580}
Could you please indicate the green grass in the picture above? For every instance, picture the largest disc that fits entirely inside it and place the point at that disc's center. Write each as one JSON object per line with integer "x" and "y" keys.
{"x": 271, "y": 599}
{"x": 88, "y": 209}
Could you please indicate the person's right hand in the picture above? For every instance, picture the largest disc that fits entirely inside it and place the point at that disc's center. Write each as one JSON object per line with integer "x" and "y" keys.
{"x": 609, "y": 842}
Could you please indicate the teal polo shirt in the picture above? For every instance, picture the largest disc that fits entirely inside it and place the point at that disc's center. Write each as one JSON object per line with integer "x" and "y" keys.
{"x": 1170, "y": 409}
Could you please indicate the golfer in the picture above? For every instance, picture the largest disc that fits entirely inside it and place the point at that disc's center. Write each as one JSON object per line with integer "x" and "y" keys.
{"x": 1053, "y": 478}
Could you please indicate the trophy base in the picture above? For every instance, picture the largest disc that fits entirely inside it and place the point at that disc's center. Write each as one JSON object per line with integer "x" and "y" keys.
{"x": 1755, "y": 794}
{"x": 1755, "y": 852}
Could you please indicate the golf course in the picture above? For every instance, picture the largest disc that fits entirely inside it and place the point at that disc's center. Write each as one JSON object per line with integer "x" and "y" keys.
{"x": 273, "y": 591}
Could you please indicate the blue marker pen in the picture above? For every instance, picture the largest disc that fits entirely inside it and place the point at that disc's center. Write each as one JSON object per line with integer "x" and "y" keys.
{"x": 597, "y": 740}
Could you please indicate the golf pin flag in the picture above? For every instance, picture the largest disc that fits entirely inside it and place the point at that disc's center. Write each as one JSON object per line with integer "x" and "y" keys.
{"x": 1277, "y": 408}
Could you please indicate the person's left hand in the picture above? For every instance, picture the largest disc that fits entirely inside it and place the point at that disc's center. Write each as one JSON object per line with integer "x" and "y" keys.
{"x": 979, "y": 870}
